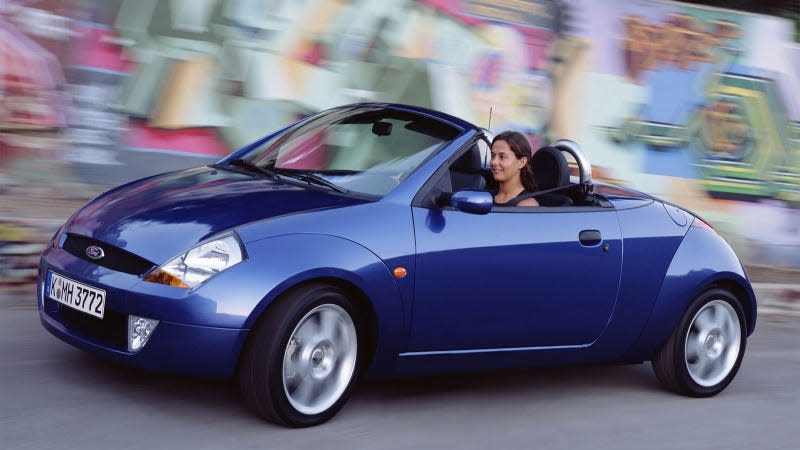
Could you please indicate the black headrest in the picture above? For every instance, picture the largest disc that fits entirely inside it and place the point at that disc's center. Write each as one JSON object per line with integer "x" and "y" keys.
{"x": 550, "y": 168}
{"x": 468, "y": 162}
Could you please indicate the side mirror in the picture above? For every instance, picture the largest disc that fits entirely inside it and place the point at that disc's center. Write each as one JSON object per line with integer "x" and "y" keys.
{"x": 473, "y": 202}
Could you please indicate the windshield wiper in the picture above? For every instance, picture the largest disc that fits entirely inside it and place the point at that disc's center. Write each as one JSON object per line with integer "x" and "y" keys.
{"x": 308, "y": 177}
{"x": 251, "y": 166}
{"x": 312, "y": 178}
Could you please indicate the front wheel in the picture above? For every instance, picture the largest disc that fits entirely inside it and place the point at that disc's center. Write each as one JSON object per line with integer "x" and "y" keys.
{"x": 299, "y": 365}
{"x": 705, "y": 350}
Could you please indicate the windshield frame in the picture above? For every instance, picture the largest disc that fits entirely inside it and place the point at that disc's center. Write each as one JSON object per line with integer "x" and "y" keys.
{"x": 426, "y": 128}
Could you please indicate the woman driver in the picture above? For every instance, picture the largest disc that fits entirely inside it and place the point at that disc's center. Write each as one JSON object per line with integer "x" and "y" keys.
{"x": 511, "y": 153}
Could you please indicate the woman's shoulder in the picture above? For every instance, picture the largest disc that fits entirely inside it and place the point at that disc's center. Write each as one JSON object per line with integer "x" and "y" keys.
{"x": 529, "y": 201}
{"x": 525, "y": 198}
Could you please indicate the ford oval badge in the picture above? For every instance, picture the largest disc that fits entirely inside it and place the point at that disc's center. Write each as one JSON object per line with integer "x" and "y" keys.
{"x": 95, "y": 252}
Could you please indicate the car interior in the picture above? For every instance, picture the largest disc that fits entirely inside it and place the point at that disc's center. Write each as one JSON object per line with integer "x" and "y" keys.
{"x": 551, "y": 171}
{"x": 466, "y": 172}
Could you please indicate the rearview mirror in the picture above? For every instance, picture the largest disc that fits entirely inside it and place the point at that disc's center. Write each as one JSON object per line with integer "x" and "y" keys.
{"x": 382, "y": 128}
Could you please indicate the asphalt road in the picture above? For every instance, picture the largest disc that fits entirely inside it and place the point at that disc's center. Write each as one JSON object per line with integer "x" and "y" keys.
{"x": 55, "y": 396}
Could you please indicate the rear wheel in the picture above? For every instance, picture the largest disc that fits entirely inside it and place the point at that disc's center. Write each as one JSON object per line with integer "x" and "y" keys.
{"x": 299, "y": 365}
{"x": 704, "y": 352}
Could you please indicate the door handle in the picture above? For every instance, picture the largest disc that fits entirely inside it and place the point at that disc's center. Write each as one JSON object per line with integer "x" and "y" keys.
{"x": 590, "y": 238}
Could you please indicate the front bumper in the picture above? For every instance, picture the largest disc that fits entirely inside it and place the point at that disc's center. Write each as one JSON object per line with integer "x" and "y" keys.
{"x": 175, "y": 346}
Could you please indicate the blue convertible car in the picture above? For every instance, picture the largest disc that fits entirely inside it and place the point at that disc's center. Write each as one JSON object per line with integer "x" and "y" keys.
{"x": 363, "y": 241}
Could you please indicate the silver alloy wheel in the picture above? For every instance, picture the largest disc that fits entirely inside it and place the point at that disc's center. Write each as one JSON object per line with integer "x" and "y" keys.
{"x": 713, "y": 343}
{"x": 319, "y": 359}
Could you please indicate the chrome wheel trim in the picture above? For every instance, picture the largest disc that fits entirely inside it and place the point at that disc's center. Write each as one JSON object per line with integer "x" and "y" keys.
{"x": 713, "y": 343}
{"x": 319, "y": 359}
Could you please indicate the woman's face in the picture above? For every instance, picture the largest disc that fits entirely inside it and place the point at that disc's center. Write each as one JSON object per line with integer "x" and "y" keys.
{"x": 505, "y": 164}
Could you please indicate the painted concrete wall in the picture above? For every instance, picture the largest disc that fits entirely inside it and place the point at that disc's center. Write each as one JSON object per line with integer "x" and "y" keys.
{"x": 696, "y": 105}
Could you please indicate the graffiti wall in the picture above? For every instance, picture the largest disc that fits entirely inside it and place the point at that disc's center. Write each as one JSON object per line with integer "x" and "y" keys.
{"x": 34, "y": 43}
{"x": 155, "y": 84}
{"x": 697, "y": 105}
{"x": 700, "y": 106}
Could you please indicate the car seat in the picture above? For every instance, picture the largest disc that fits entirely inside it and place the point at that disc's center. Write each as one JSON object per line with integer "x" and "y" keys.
{"x": 465, "y": 172}
{"x": 550, "y": 171}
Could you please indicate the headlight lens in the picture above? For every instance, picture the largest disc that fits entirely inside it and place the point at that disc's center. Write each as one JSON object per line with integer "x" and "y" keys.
{"x": 56, "y": 239}
{"x": 199, "y": 264}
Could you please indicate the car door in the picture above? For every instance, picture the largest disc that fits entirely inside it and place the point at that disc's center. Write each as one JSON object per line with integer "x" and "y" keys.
{"x": 517, "y": 277}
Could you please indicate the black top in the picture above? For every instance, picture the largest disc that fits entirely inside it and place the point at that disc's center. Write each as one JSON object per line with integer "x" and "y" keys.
{"x": 514, "y": 201}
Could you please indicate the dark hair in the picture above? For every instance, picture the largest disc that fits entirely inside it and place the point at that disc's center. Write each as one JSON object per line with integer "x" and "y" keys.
{"x": 521, "y": 147}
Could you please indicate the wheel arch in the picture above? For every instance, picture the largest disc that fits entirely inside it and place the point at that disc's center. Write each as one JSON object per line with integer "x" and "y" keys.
{"x": 744, "y": 295}
{"x": 703, "y": 261}
{"x": 348, "y": 266}
{"x": 367, "y": 317}
{"x": 367, "y": 322}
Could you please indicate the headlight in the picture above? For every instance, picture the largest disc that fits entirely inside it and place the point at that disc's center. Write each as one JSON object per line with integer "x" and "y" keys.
{"x": 199, "y": 264}
{"x": 55, "y": 241}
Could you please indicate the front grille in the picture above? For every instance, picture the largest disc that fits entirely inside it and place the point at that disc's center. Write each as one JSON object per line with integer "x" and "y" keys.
{"x": 115, "y": 258}
{"x": 110, "y": 331}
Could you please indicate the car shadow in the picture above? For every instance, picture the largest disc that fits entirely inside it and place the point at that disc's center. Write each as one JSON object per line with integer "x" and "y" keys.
{"x": 143, "y": 386}
{"x": 566, "y": 380}
{"x": 182, "y": 394}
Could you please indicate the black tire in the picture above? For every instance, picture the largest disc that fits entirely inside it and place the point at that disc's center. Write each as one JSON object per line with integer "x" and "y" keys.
{"x": 264, "y": 384}
{"x": 702, "y": 356}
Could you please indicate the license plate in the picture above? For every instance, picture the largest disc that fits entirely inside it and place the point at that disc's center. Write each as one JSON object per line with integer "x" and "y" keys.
{"x": 82, "y": 297}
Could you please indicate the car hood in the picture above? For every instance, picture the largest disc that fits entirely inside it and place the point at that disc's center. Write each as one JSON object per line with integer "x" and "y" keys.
{"x": 159, "y": 217}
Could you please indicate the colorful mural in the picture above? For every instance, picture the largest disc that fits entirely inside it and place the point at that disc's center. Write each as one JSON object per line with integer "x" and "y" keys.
{"x": 698, "y": 105}
{"x": 735, "y": 128}
{"x": 203, "y": 78}
{"x": 31, "y": 74}
{"x": 238, "y": 61}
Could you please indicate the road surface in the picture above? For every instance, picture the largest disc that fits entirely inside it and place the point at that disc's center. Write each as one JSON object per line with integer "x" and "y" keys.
{"x": 54, "y": 396}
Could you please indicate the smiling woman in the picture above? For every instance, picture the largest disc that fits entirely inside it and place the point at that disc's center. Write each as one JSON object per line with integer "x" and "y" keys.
{"x": 510, "y": 163}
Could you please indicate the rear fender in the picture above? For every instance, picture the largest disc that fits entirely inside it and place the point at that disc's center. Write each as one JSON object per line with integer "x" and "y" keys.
{"x": 703, "y": 260}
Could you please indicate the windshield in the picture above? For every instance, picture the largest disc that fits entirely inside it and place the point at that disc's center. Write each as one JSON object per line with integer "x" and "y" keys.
{"x": 366, "y": 150}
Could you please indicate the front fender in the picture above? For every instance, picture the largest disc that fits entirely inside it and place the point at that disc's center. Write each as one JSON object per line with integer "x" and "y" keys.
{"x": 703, "y": 259}
{"x": 278, "y": 263}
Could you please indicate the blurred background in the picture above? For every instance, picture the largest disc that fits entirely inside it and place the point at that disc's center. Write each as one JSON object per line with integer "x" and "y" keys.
{"x": 694, "y": 103}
